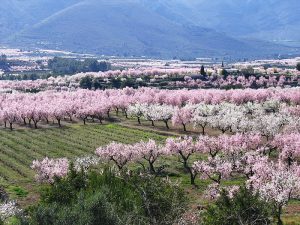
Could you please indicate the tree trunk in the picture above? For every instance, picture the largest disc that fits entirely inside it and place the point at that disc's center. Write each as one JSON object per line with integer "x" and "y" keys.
{"x": 290, "y": 161}
{"x": 152, "y": 123}
{"x": 5, "y": 124}
{"x": 279, "y": 222}
{"x": 151, "y": 167}
{"x": 166, "y": 122}
{"x": 203, "y": 130}
{"x": 188, "y": 169}
{"x": 35, "y": 124}
{"x": 10, "y": 126}
{"x": 184, "y": 127}
{"x": 139, "y": 120}
{"x": 58, "y": 121}
{"x": 24, "y": 121}
{"x": 193, "y": 178}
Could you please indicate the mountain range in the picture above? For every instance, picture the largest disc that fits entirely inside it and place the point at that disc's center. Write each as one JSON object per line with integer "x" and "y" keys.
{"x": 157, "y": 28}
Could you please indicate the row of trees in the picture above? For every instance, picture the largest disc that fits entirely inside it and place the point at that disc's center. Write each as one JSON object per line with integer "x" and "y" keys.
{"x": 121, "y": 79}
{"x": 238, "y": 82}
{"x": 267, "y": 117}
{"x": 118, "y": 83}
{"x": 117, "y": 79}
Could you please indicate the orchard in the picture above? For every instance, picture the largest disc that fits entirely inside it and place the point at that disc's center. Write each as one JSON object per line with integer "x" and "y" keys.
{"x": 205, "y": 141}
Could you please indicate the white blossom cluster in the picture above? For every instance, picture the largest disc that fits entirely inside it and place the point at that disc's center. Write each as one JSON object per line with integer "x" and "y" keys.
{"x": 8, "y": 210}
{"x": 268, "y": 118}
{"x": 84, "y": 163}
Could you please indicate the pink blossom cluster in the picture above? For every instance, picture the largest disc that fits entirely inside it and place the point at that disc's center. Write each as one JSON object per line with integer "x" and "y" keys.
{"x": 72, "y": 81}
{"x": 47, "y": 169}
{"x": 289, "y": 145}
{"x": 276, "y": 182}
{"x": 215, "y": 169}
{"x": 58, "y": 84}
{"x": 122, "y": 154}
{"x": 229, "y": 149}
{"x": 229, "y": 156}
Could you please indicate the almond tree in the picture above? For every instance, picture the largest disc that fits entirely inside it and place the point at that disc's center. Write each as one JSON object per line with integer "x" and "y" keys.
{"x": 288, "y": 146}
{"x": 203, "y": 115}
{"x": 214, "y": 169}
{"x": 185, "y": 147}
{"x": 120, "y": 154}
{"x": 150, "y": 152}
{"x": 183, "y": 116}
{"x": 137, "y": 110}
{"x": 276, "y": 183}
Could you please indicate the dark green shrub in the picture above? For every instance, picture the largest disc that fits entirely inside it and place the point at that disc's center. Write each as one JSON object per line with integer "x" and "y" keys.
{"x": 298, "y": 66}
{"x": 64, "y": 66}
{"x": 91, "y": 210}
{"x": 109, "y": 198}
{"x": 64, "y": 191}
{"x": 86, "y": 83}
{"x": 244, "y": 208}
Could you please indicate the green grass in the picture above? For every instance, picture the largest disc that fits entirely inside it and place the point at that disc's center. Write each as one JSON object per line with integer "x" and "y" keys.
{"x": 17, "y": 192}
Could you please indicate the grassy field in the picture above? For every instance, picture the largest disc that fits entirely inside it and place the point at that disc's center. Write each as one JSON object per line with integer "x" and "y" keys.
{"x": 21, "y": 146}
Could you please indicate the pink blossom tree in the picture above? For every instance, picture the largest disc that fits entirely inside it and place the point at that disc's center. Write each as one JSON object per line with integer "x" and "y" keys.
{"x": 214, "y": 169}
{"x": 288, "y": 146}
{"x": 47, "y": 169}
{"x": 276, "y": 183}
{"x": 185, "y": 147}
{"x": 120, "y": 154}
{"x": 150, "y": 151}
{"x": 183, "y": 116}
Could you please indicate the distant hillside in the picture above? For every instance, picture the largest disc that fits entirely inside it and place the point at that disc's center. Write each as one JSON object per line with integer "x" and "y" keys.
{"x": 271, "y": 20}
{"x": 133, "y": 27}
{"x": 17, "y": 15}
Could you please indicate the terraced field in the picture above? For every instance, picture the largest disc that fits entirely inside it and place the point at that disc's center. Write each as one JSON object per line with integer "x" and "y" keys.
{"x": 20, "y": 147}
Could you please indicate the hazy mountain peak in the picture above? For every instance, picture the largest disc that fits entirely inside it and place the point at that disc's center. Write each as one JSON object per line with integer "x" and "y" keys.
{"x": 152, "y": 27}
